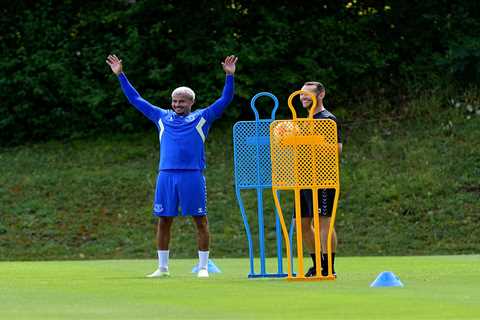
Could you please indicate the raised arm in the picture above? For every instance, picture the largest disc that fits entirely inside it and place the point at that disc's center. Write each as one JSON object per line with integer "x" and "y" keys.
{"x": 142, "y": 105}
{"x": 229, "y": 66}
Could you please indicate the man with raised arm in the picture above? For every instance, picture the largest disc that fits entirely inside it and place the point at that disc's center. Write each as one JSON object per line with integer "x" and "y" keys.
{"x": 180, "y": 182}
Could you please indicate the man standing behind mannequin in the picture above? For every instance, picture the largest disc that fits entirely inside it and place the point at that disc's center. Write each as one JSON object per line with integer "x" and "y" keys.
{"x": 325, "y": 196}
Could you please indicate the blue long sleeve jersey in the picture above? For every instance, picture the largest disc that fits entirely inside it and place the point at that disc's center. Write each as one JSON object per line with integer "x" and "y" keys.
{"x": 181, "y": 138}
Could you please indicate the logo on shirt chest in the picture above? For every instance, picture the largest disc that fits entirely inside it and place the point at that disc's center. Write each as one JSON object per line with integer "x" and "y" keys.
{"x": 187, "y": 119}
{"x": 190, "y": 118}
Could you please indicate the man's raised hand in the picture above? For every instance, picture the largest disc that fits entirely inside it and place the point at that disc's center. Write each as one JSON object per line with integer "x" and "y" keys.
{"x": 115, "y": 64}
{"x": 229, "y": 64}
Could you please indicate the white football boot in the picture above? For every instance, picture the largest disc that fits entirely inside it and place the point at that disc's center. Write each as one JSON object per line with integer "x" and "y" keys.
{"x": 202, "y": 273}
{"x": 159, "y": 274}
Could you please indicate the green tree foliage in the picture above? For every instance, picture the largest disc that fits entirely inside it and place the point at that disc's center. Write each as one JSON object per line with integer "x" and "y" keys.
{"x": 55, "y": 83}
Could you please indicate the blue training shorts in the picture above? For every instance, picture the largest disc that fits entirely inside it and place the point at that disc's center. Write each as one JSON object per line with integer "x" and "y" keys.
{"x": 180, "y": 189}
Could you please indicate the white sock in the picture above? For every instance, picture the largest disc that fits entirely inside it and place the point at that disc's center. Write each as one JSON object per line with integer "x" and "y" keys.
{"x": 203, "y": 257}
{"x": 163, "y": 259}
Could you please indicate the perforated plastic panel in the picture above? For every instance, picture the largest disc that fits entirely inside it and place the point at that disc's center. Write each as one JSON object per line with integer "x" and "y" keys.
{"x": 251, "y": 147}
{"x": 304, "y": 153}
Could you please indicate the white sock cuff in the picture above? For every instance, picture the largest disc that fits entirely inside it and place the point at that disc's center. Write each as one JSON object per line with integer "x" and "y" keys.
{"x": 163, "y": 259}
{"x": 203, "y": 259}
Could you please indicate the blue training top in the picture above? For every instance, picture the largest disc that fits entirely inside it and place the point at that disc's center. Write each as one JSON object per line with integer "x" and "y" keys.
{"x": 181, "y": 137}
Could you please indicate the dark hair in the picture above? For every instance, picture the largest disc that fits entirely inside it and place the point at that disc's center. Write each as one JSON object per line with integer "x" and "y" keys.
{"x": 319, "y": 87}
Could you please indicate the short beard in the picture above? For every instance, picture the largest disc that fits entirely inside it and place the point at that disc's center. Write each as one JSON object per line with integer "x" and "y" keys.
{"x": 184, "y": 113}
{"x": 308, "y": 106}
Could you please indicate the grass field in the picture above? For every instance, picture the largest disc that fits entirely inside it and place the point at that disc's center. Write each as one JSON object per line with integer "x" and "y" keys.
{"x": 92, "y": 197}
{"x": 436, "y": 287}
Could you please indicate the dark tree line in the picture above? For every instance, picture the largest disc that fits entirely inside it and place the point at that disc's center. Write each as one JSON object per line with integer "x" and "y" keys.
{"x": 54, "y": 82}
